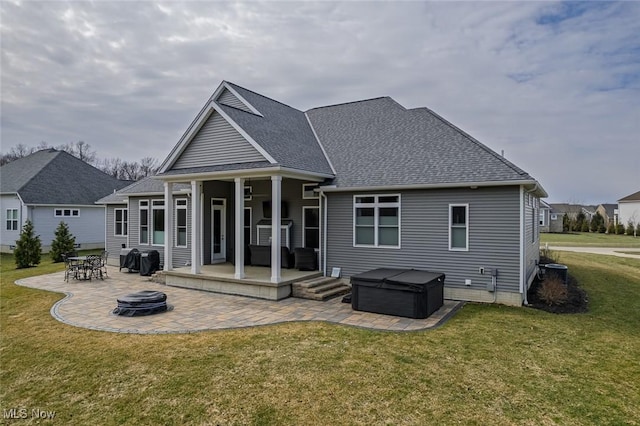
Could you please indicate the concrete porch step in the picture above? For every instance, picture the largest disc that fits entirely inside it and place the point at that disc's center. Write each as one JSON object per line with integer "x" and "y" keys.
{"x": 322, "y": 288}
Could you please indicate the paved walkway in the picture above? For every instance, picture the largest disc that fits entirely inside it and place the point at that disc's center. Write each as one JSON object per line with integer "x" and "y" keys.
{"x": 89, "y": 304}
{"x": 611, "y": 251}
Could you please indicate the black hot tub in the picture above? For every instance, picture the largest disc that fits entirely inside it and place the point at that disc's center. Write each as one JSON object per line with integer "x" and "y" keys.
{"x": 401, "y": 292}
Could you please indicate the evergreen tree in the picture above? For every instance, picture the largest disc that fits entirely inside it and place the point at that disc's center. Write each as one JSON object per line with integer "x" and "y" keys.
{"x": 596, "y": 221}
{"x": 28, "y": 248}
{"x": 585, "y": 226}
{"x": 63, "y": 243}
{"x": 630, "y": 228}
{"x": 566, "y": 223}
{"x": 602, "y": 229}
{"x": 638, "y": 230}
{"x": 611, "y": 229}
{"x": 620, "y": 229}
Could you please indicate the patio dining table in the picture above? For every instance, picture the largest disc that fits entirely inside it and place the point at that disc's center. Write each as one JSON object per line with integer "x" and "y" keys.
{"x": 85, "y": 269}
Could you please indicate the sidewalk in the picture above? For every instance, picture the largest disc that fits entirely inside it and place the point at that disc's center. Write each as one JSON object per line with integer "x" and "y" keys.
{"x": 610, "y": 251}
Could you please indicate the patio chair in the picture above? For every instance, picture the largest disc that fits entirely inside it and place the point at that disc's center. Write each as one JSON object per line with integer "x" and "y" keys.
{"x": 71, "y": 267}
{"x": 93, "y": 267}
{"x": 103, "y": 265}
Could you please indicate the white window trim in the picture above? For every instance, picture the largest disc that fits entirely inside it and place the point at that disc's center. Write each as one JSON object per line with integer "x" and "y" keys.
{"x": 314, "y": 186}
{"x": 148, "y": 208}
{"x": 250, "y": 223}
{"x": 177, "y": 207}
{"x": 248, "y": 193}
{"x": 376, "y": 206}
{"x": 304, "y": 225}
{"x": 13, "y": 218}
{"x": 152, "y": 222}
{"x": 71, "y": 211}
{"x": 115, "y": 221}
{"x": 542, "y": 217}
{"x": 466, "y": 221}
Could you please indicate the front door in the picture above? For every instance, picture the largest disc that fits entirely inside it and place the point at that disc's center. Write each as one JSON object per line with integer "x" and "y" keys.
{"x": 218, "y": 228}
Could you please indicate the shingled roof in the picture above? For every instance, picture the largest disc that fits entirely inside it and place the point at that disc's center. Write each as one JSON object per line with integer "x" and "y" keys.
{"x": 57, "y": 178}
{"x": 377, "y": 142}
{"x": 633, "y": 197}
{"x": 146, "y": 186}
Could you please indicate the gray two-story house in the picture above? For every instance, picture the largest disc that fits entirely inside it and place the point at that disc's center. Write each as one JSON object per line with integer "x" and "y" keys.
{"x": 365, "y": 184}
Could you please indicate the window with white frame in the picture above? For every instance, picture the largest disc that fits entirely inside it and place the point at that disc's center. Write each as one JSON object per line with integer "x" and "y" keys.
{"x": 144, "y": 221}
{"x": 157, "y": 222}
{"x": 12, "y": 219}
{"x": 311, "y": 227}
{"x": 248, "y": 193}
{"x": 459, "y": 227}
{"x": 308, "y": 192}
{"x": 181, "y": 222}
{"x": 121, "y": 222}
{"x": 543, "y": 217}
{"x": 376, "y": 220}
{"x": 66, "y": 212}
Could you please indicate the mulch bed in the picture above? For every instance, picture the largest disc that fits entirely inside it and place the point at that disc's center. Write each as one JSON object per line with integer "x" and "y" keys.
{"x": 577, "y": 300}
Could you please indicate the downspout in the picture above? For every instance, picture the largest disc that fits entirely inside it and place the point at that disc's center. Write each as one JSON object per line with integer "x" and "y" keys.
{"x": 526, "y": 279}
{"x": 324, "y": 233}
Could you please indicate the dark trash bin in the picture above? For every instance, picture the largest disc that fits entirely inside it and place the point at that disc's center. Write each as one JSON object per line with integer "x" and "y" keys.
{"x": 149, "y": 262}
{"x": 557, "y": 270}
{"x": 402, "y": 292}
{"x": 144, "y": 302}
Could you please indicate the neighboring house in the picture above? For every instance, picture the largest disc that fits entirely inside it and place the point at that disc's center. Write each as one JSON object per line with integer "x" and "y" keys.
{"x": 49, "y": 187}
{"x": 544, "y": 217}
{"x": 367, "y": 184}
{"x": 629, "y": 209}
{"x": 609, "y": 213}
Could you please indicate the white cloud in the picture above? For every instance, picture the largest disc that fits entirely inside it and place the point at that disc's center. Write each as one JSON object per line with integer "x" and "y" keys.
{"x": 555, "y": 85}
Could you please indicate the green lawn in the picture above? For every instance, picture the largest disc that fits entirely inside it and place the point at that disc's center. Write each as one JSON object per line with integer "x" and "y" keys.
{"x": 586, "y": 239}
{"x": 487, "y": 365}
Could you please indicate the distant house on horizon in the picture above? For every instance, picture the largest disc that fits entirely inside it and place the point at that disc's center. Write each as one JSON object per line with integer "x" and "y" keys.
{"x": 629, "y": 209}
{"x": 49, "y": 187}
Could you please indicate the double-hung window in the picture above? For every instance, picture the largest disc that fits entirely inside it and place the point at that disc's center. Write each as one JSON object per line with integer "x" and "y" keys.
{"x": 144, "y": 221}
{"x": 12, "y": 219}
{"x": 181, "y": 222}
{"x": 157, "y": 222}
{"x": 376, "y": 221}
{"x": 459, "y": 227}
{"x": 121, "y": 222}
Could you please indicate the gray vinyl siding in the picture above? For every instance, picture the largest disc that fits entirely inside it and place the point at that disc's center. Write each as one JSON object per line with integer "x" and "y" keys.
{"x": 494, "y": 236}
{"x": 87, "y": 228}
{"x": 217, "y": 143}
{"x": 227, "y": 98}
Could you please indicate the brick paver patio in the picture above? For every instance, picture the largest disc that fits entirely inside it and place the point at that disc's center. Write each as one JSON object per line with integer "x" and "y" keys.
{"x": 89, "y": 304}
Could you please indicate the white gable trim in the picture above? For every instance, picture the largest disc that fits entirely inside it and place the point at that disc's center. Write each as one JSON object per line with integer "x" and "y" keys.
{"x": 193, "y": 129}
{"x": 237, "y": 95}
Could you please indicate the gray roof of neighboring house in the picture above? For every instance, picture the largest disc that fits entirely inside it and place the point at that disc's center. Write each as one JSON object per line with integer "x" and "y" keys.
{"x": 146, "y": 186}
{"x": 56, "y": 177}
{"x": 567, "y": 208}
{"x": 609, "y": 208}
{"x": 633, "y": 197}
{"x": 377, "y": 142}
{"x": 283, "y": 132}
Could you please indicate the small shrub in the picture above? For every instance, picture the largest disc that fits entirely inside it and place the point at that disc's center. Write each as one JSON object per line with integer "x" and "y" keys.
{"x": 602, "y": 229}
{"x": 638, "y": 230}
{"x": 630, "y": 228}
{"x": 553, "y": 291}
{"x": 28, "y": 248}
{"x": 63, "y": 243}
{"x": 585, "y": 226}
{"x": 548, "y": 256}
{"x": 611, "y": 229}
{"x": 620, "y": 229}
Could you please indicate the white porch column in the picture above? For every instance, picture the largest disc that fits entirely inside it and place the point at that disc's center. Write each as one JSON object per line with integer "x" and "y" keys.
{"x": 276, "y": 200}
{"x": 239, "y": 243}
{"x": 168, "y": 226}
{"x": 196, "y": 230}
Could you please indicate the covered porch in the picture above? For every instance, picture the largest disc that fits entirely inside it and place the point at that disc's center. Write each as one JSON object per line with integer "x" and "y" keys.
{"x": 228, "y": 212}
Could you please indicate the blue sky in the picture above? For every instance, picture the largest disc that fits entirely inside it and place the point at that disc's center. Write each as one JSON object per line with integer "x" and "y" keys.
{"x": 554, "y": 85}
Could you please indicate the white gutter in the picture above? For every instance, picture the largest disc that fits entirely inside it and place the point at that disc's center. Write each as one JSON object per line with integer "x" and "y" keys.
{"x": 471, "y": 185}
